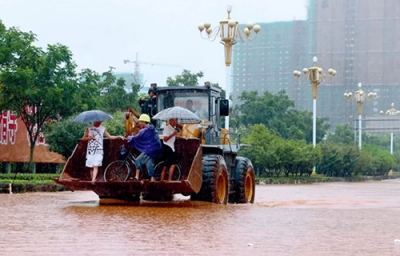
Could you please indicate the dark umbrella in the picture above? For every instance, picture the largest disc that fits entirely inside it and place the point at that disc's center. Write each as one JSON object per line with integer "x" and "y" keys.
{"x": 183, "y": 115}
{"x": 92, "y": 116}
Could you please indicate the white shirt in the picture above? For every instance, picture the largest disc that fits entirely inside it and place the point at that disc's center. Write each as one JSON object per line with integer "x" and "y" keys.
{"x": 95, "y": 147}
{"x": 168, "y": 130}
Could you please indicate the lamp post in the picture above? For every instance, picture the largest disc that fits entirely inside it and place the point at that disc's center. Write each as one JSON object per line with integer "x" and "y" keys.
{"x": 315, "y": 75}
{"x": 360, "y": 97}
{"x": 391, "y": 112}
{"x": 228, "y": 31}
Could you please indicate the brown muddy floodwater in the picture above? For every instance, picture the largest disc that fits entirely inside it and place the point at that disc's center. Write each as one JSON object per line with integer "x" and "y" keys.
{"x": 316, "y": 219}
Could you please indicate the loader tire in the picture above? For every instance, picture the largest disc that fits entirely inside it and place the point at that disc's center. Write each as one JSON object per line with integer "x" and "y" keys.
{"x": 215, "y": 187}
{"x": 244, "y": 185}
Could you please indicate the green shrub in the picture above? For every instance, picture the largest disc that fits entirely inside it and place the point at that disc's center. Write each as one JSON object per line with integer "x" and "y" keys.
{"x": 39, "y": 177}
{"x": 31, "y": 187}
{"x": 28, "y": 182}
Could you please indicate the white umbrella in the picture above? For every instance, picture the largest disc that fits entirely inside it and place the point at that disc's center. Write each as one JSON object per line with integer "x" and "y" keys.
{"x": 92, "y": 116}
{"x": 183, "y": 115}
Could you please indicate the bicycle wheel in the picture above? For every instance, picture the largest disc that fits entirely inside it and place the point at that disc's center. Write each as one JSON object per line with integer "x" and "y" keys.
{"x": 158, "y": 169}
{"x": 117, "y": 171}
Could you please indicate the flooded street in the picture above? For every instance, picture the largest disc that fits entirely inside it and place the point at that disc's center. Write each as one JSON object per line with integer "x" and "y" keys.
{"x": 316, "y": 219}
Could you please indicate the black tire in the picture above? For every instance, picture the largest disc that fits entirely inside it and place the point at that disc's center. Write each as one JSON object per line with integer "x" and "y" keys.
{"x": 158, "y": 169}
{"x": 117, "y": 171}
{"x": 215, "y": 187}
{"x": 244, "y": 185}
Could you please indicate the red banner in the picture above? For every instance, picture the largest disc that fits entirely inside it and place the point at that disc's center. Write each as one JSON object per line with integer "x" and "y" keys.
{"x": 14, "y": 142}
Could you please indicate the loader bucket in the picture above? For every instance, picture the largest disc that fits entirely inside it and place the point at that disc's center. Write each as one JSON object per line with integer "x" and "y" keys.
{"x": 76, "y": 176}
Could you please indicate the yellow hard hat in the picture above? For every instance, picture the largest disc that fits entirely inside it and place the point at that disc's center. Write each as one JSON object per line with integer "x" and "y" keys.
{"x": 144, "y": 118}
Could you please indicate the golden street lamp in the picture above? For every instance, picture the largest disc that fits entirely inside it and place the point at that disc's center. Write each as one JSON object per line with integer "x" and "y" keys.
{"x": 315, "y": 75}
{"x": 359, "y": 96}
{"x": 229, "y": 31}
{"x": 391, "y": 112}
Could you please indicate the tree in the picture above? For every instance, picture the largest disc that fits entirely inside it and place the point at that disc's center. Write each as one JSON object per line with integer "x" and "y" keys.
{"x": 344, "y": 134}
{"x": 262, "y": 148}
{"x": 298, "y": 157}
{"x": 297, "y": 125}
{"x": 262, "y": 109}
{"x": 382, "y": 160}
{"x": 114, "y": 96}
{"x": 381, "y": 140}
{"x": 39, "y": 85}
{"x": 104, "y": 92}
{"x": 332, "y": 161}
{"x": 63, "y": 136}
{"x": 88, "y": 95}
{"x": 270, "y": 152}
{"x": 185, "y": 79}
{"x": 276, "y": 112}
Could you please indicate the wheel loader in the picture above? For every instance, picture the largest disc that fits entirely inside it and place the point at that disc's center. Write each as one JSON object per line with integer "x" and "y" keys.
{"x": 209, "y": 166}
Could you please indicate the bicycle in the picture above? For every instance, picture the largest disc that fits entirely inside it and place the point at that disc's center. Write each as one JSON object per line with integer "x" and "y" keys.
{"x": 158, "y": 169}
{"x": 121, "y": 170}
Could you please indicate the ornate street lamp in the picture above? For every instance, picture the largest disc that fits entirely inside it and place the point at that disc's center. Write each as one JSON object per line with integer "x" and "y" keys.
{"x": 315, "y": 75}
{"x": 391, "y": 112}
{"x": 360, "y": 97}
{"x": 229, "y": 31}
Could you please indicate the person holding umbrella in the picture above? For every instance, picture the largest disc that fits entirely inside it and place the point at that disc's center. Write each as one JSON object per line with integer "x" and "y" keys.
{"x": 148, "y": 143}
{"x": 94, "y": 154}
{"x": 168, "y": 153}
{"x": 173, "y": 115}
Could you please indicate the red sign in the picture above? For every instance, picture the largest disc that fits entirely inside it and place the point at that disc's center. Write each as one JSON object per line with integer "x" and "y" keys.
{"x": 14, "y": 141}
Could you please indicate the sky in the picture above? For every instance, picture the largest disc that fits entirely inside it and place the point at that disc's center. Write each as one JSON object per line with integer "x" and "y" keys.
{"x": 103, "y": 33}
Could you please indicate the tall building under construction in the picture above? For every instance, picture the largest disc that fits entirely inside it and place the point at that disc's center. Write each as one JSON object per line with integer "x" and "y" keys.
{"x": 359, "y": 39}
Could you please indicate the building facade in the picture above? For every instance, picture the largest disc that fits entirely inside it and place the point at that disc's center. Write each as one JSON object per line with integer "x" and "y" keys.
{"x": 359, "y": 39}
{"x": 267, "y": 63}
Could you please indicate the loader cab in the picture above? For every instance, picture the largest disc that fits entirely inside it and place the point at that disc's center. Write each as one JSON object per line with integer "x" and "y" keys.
{"x": 204, "y": 101}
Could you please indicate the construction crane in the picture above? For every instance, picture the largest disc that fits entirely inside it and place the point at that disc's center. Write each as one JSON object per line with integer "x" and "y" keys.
{"x": 138, "y": 63}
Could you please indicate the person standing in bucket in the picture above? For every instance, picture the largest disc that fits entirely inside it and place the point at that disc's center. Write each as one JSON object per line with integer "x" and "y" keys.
{"x": 148, "y": 143}
{"x": 94, "y": 154}
{"x": 168, "y": 153}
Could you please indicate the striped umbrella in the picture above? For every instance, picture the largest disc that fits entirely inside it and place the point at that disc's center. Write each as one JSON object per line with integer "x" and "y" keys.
{"x": 182, "y": 115}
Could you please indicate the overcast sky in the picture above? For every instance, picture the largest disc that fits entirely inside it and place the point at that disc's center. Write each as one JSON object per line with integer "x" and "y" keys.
{"x": 103, "y": 33}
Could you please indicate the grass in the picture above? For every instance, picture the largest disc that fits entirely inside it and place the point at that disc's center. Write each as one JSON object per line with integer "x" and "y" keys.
{"x": 27, "y": 177}
{"x": 28, "y": 182}
{"x": 317, "y": 178}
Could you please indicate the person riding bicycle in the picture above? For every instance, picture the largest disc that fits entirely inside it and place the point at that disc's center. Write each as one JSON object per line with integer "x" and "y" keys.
{"x": 148, "y": 143}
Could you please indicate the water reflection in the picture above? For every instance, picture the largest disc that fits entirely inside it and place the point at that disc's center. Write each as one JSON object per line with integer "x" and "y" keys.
{"x": 318, "y": 219}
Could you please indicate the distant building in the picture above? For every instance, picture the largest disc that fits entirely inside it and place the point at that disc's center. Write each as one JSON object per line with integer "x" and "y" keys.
{"x": 267, "y": 63}
{"x": 129, "y": 79}
{"x": 382, "y": 124}
{"x": 359, "y": 39}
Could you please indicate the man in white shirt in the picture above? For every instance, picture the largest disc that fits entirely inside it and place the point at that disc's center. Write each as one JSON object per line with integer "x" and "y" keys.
{"x": 168, "y": 153}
